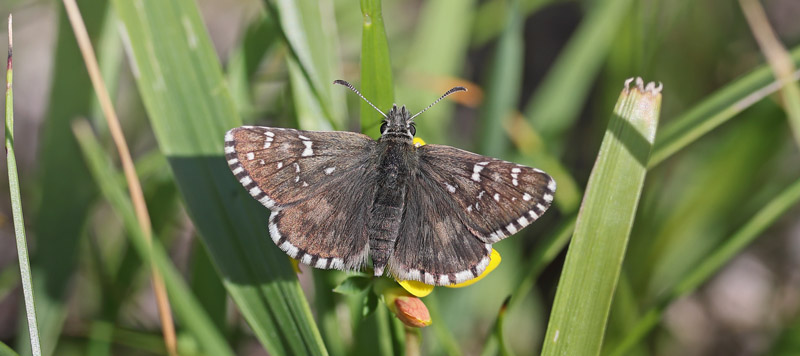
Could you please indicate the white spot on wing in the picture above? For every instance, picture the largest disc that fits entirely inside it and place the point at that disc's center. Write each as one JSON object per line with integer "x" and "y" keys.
{"x": 329, "y": 170}
{"x": 511, "y": 228}
{"x": 450, "y": 188}
{"x": 307, "y": 151}
{"x": 302, "y": 137}
{"x": 296, "y": 168}
{"x": 254, "y": 191}
{"x": 280, "y": 165}
{"x": 321, "y": 263}
{"x": 515, "y": 170}
{"x": 522, "y": 221}
{"x": 266, "y": 201}
{"x": 238, "y": 170}
{"x": 269, "y": 133}
{"x": 429, "y": 279}
{"x": 526, "y": 197}
{"x": 548, "y": 198}
{"x": 469, "y": 209}
{"x": 245, "y": 181}
{"x": 250, "y": 156}
{"x": 337, "y": 263}
{"x": 476, "y": 170}
{"x": 444, "y": 279}
{"x": 552, "y": 185}
{"x": 233, "y": 161}
{"x": 497, "y": 196}
{"x": 290, "y": 249}
{"x": 463, "y": 276}
{"x": 229, "y": 149}
{"x": 306, "y": 259}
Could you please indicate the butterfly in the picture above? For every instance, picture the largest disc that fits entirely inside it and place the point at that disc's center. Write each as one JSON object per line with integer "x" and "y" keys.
{"x": 429, "y": 213}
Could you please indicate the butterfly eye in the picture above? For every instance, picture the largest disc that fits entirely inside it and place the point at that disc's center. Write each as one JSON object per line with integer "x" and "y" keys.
{"x": 383, "y": 128}
{"x": 412, "y": 129}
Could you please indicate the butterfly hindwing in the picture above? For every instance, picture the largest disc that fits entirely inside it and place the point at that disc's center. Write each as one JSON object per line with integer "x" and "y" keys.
{"x": 434, "y": 246}
{"x": 497, "y": 198}
{"x": 310, "y": 180}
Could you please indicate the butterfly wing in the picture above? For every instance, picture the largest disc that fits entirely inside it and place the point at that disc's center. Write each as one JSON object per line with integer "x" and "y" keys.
{"x": 435, "y": 246}
{"x": 497, "y": 197}
{"x": 458, "y": 204}
{"x": 310, "y": 182}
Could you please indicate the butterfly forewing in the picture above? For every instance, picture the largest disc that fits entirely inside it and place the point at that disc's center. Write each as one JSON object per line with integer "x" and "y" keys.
{"x": 497, "y": 198}
{"x": 282, "y": 166}
{"x": 312, "y": 182}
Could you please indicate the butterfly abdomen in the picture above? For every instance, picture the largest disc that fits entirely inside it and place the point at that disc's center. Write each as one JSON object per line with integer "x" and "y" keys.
{"x": 386, "y": 215}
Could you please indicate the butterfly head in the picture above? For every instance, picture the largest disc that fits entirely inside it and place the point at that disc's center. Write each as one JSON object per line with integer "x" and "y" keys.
{"x": 398, "y": 122}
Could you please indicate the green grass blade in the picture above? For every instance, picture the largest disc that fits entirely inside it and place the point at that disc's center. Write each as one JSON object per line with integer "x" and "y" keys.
{"x": 377, "y": 84}
{"x": 553, "y": 109}
{"x": 504, "y": 84}
{"x": 259, "y": 38}
{"x": 717, "y": 109}
{"x": 778, "y": 59}
{"x": 181, "y": 84}
{"x": 765, "y": 217}
{"x": 66, "y": 188}
{"x": 16, "y": 206}
{"x": 185, "y": 306}
{"x": 437, "y": 50}
{"x": 580, "y": 310}
{"x": 313, "y": 43}
{"x": 6, "y": 351}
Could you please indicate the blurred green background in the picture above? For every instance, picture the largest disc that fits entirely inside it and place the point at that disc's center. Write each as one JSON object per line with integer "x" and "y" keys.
{"x": 543, "y": 79}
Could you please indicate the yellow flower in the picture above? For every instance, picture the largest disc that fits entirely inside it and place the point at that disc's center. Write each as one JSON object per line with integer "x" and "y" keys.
{"x": 420, "y": 289}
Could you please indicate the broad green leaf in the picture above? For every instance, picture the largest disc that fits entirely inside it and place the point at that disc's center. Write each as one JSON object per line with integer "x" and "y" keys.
{"x": 190, "y": 108}
{"x": 594, "y": 259}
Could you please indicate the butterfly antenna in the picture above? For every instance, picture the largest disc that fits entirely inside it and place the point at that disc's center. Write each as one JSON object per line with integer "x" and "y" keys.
{"x": 451, "y": 91}
{"x": 342, "y": 82}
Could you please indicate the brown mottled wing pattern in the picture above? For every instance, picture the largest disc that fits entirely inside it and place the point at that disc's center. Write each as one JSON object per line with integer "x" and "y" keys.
{"x": 497, "y": 198}
{"x": 310, "y": 180}
{"x": 434, "y": 246}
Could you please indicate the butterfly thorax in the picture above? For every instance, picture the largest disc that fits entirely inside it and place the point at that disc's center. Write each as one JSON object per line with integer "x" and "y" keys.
{"x": 397, "y": 162}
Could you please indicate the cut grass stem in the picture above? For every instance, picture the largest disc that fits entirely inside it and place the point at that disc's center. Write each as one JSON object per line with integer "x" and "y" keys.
{"x": 16, "y": 203}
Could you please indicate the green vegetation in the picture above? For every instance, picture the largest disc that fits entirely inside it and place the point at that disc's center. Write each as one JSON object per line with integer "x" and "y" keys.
{"x": 667, "y": 200}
